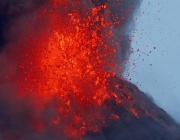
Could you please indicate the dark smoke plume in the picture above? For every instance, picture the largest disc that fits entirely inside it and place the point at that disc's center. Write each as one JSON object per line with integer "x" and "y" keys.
{"x": 122, "y": 15}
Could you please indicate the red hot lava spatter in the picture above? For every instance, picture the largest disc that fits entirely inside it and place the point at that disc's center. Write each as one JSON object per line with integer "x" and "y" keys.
{"x": 69, "y": 58}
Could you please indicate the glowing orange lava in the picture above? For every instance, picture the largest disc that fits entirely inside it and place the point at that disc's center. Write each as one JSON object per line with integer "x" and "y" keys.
{"x": 71, "y": 61}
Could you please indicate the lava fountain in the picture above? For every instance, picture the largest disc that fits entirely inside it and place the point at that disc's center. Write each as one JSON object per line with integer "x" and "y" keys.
{"x": 64, "y": 63}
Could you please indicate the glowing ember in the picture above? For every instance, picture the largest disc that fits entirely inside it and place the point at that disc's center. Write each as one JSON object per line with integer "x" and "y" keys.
{"x": 71, "y": 60}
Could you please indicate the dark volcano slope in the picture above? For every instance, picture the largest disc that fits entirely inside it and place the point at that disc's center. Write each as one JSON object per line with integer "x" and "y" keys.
{"x": 140, "y": 118}
{"x": 152, "y": 122}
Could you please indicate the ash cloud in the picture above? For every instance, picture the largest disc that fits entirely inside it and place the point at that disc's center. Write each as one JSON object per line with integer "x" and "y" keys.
{"x": 11, "y": 10}
{"x": 122, "y": 15}
{"x": 19, "y": 118}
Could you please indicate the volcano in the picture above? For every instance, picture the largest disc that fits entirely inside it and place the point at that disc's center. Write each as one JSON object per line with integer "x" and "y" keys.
{"x": 62, "y": 63}
{"x": 152, "y": 123}
{"x": 145, "y": 121}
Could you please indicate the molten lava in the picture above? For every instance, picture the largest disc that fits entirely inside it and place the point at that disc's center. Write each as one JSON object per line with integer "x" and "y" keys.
{"x": 70, "y": 60}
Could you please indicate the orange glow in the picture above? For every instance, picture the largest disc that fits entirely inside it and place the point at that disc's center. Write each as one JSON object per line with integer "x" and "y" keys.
{"x": 71, "y": 61}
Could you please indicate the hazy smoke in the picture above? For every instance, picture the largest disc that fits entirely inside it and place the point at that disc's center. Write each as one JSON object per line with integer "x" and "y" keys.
{"x": 19, "y": 118}
{"x": 124, "y": 12}
{"x": 122, "y": 16}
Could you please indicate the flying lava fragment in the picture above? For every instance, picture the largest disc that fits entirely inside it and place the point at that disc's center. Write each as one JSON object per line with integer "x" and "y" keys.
{"x": 66, "y": 62}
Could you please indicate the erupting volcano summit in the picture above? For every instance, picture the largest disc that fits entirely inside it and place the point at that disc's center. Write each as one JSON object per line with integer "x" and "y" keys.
{"x": 62, "y": 63}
